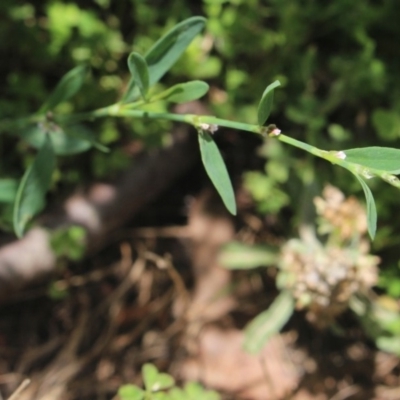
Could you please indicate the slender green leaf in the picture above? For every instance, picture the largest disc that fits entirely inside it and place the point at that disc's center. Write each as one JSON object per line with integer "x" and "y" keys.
{"x": 131, "y": 392}
{"x": 184, "y": 92}
{"x": 8, "y": 190}
{"x": 237, "y": 255}
{"x": 166, "y": 51}
{"x": 72, "y": 139}
{"x": 265, "y": 105}
{"x": 268, "y": 323}
{"x": 371, "y": 208}
{"x": 68, "y": 86}
{"x": 216, "y": 170}
{"x": 32, "y": 189}
{"x": 140, "y": 72}
{"x": 382, "y": 158}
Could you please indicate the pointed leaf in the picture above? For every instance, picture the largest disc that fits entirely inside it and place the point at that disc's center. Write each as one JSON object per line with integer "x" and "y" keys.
{"x": 72, "y": 139}
{"x": 140, "y": 72}
{"x": 166, "y": 51}
{"x": 371, "y": 208}
{"x": 216, "y": 170}
{"x": 32, "y": 189}
{"x": 382, "y": 158}
{"x": 8, "y": 190}
{"x": 68, "y": 86}
{"x": 265, "y": 105}
{"x": 184, "y": 92}
{"x": 130, "y": 392}
{"x": 268, "y": 323}
{"x": 237, "y": 255}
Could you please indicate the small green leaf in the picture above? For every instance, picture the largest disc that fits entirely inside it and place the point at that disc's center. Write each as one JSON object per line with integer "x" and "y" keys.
{"x": 68, "y": 86}
{"x": 237, "y": 255}
{"x": 166, "y": 51}
{"x": 72, "y": 139}
{"x": 154, "y": 380}
{"x": 216, "y": 170}
{"x": 268, "y": 323}
{"x": 382, "y": 158}
{"x": 32, "y": 189}
{"x": 177, "y": 394}
{"x": 140, "y": 72}
{"x": 265, "y": 105}
{"x": 8, "y": 190}
{"x": 371, "y": 208}
{"x": 194, "y": 391}
{"x": 131, "y": 392}
{"x": 184, "y": 92}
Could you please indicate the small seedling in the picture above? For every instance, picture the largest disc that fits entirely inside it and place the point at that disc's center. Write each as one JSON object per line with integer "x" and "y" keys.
{"x": 161, "y": 386}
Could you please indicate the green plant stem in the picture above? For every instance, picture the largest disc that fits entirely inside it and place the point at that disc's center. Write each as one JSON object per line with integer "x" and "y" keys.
{"x": 122, "y": 110}
{"x": 128, "y": 111}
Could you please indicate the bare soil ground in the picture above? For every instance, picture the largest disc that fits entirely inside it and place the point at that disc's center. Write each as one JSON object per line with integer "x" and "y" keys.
{"x": 159, "y": 294}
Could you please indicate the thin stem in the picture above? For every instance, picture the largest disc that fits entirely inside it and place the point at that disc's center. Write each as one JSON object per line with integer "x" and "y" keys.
{"x": 126, "y": 110}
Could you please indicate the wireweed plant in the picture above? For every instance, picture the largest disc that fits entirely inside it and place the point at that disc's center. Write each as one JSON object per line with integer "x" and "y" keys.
{"x": 63, "y": 134}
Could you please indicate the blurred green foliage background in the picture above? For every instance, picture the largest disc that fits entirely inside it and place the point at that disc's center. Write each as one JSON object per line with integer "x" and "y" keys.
{"x": 338, "y": 63}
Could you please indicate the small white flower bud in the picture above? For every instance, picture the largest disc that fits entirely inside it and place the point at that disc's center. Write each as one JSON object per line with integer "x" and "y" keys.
{"x": 212, "y": 128}
{"x": 341, "y": 155}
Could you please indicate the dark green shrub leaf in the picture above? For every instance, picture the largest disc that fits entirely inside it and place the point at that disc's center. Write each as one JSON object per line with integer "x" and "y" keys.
{"x": 216, "y": 170}
{"x": 69, "y": 242}
{"x": 154, "y": 380}
{"x": 237, "y": 255}
{"x": 184, "y": 92}
{"x": 265, "y": 105}
{"x": 386, "y": 123}
{"x": 371, "y": 208}
{"x": 68, "y": 86}
{"x": 382, "y": 158}
{"x": 130, "y": 392}
{"x": 32, "y": 189}
{"x": 166, "y": 51}
{"x": 8, "y": 190}
{"x": 72, "y": 139}
{"x": 140, "y": 72}
{"x": 268, "y": 323}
